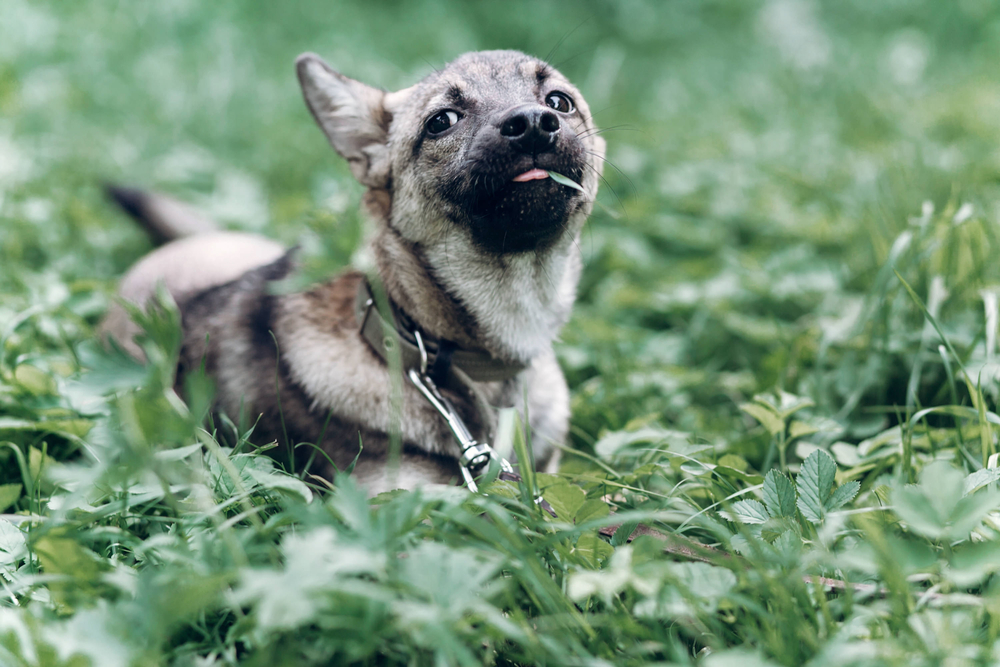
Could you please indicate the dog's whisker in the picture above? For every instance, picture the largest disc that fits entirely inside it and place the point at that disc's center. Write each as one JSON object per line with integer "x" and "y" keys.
{"x": 613, "y": 128}
{"x": 616, "y": 168}
{"x": 574, "y": 57}
{"x": 613, "y": 191}
{"x": 601, "y": 110}
{"x": 562, "y": 39}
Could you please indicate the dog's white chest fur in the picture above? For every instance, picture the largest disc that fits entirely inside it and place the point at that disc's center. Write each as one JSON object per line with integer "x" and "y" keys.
{"x": 520, "y": 302}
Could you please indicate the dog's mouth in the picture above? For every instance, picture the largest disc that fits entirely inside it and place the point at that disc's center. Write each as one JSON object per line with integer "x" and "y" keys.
{"x": 541, "y": 174}
{"x": 525, "y": 208}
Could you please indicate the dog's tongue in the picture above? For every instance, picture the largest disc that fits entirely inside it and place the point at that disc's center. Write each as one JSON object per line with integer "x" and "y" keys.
{"x": 532, "y": 175}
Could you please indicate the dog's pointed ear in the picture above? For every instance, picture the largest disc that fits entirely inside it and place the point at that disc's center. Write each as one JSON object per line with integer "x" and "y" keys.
{"x": 354, "y": 117}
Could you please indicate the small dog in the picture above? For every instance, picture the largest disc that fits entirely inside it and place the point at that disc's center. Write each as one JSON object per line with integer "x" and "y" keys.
{"x": 477, "y": 251}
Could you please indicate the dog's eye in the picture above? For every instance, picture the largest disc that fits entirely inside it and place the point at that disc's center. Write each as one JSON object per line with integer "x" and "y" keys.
{"x": 561, "y": 102}
{"x": 441, "y": 121}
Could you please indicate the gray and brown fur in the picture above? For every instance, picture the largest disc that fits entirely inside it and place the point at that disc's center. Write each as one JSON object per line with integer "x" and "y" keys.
{"x": 468, "y": 255}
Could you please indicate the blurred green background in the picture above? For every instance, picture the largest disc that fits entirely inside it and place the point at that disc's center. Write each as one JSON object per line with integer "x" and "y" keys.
{"x": 776, "y": 170}
{"x": 763, "y": 158}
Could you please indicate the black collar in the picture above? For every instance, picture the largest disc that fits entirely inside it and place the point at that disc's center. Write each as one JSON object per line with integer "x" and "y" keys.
{"x": 479, "y": 366}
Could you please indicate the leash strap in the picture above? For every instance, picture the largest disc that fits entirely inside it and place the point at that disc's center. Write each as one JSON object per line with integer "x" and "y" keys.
{"x": 476, "y": 456}
{"x": 452, "y": 368}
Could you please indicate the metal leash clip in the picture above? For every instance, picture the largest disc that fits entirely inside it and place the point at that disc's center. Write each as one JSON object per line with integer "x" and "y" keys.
{"x": 476, "y": 456}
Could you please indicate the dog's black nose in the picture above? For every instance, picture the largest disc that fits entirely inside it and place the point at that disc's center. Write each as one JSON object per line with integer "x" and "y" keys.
{"x": 531, "y": 129}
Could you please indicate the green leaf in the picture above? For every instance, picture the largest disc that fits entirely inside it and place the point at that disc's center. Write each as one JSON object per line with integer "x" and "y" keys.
{"x": 12, "y": 543}
{"x": 706, "y": 583}
{"x": 92, "y": 637}
{"x": 737, "y": 658}
{"x": 590, "y": 510}
{"x": 9, "y": 493}
{"x": 979, "y": 479}
{"x": 845, "y": 454}
{"x": 34, "y": 380}
{"x": 178, "y": 453}
{"x": 783, "y": 403}
{"x": 766, "y": 416}
{"x": 623, "y": 532}
{"x": 742, "y": 545}
{"x": 280, "y": 481}
{"x": 943, "y": 484}
{"x": 814, "y": 484}
{"x": 23, "y": 467}
{"x": 917, "y": 512}
{"x": 749, "y": 511}
{"x": 884, "y": 493}
{"x": 797, "y": 429}
{"x": 565, "y": 499}
{"x": 315, "y": 562}
{"x": 593, "y": 549}
{"x": 38, "y": 461}
{"x": 788, "y": 545}
{"x": 14, "y": 424}
{"x": 936, "y": 508}
{"x": 565, "y": 180}
{"x": 843, "y": 495}
{"x": 82, "y": 567}
{"x": 971, "y": 511}
{"x": 908, "y": 556}
{"x": 970, "y": 565}
{"x": 388, "y": 496}
{"x": 72, "y": 428}
{"x": 612, "y": 443}
{"x": 61, "y": 555}
{"x": 735, "y": 462}
{"x": 771, "y": 529}
{"x": 497, "y": 487}
{"x": 742, "y": 478}
{"x": 613, "y": 579}
{"x": 779, "y": 494}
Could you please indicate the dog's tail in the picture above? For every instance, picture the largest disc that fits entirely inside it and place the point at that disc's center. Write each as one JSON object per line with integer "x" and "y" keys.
{"x": 164, "y": 218}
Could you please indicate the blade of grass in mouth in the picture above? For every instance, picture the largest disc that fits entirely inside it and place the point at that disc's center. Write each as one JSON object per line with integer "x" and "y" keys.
{"x": 564, "y": 180}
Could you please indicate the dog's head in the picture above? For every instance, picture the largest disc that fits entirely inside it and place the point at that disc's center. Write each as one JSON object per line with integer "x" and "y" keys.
{"x": 468, "y": 150}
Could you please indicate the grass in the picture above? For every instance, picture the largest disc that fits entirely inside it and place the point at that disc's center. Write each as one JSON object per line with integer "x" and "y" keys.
{"x": 785, "y": 347}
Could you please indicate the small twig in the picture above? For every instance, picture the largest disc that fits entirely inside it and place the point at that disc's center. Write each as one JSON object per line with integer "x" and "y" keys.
{"x": 694, "y": 550}
{"x": 679, "y": 546}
